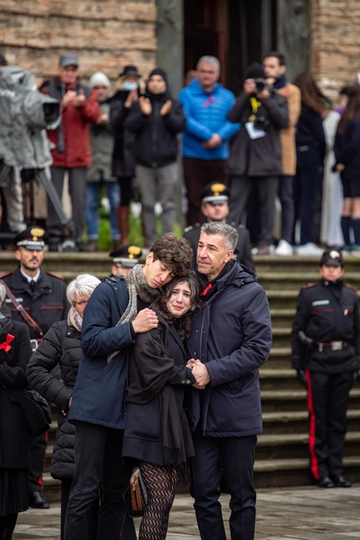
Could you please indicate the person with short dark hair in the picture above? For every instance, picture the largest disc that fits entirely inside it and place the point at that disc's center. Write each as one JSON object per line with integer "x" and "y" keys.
{"x": 71, "y": 145}
{"x": 255, "y": 153}
{"x": 215, "y": 207}
{"x": 325, "y": 343}
{"x": 275, "y": 71}
{"x": 117, "y": 312}
{"x": 230, "y": 340}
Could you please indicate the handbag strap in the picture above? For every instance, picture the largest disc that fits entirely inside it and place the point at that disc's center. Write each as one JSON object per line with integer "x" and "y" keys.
{"x": 27, "y": 318}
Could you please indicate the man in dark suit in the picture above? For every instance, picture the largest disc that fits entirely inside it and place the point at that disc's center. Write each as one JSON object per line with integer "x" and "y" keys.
{"x": 215, "y": 207}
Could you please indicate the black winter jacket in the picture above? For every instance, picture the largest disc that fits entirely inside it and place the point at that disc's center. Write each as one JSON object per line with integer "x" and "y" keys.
{"x": 327, "y": 312}
{"x": 347, "y": 149}
{"x": 232, "y": 335}
{"x": 123, "y": 160}
{"x": 262, "y": 156}
{"x": 156, "y": 142}
{"x": 61, "y": 346}
{"x": 14, "y": 435}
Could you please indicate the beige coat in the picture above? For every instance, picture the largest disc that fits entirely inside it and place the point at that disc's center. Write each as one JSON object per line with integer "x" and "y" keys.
{"x": 287, "y": 135}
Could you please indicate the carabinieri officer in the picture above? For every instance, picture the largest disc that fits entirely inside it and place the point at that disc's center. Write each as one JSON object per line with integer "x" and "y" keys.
{"x": 326, "y": 354}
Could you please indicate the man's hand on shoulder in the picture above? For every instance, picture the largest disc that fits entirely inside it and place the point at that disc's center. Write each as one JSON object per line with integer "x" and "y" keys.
{"x": 145, "y": 320}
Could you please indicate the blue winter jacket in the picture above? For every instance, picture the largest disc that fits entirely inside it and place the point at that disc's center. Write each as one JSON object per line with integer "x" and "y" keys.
{"x": 99, "y": 393}
{"x": 206, "y": 114}
{"x": 232, "y": 336}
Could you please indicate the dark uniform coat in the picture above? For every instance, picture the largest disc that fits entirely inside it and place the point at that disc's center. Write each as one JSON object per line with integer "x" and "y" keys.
{"x": 46, "y": 304}
{"x": 14, "y": 435}
{"x": 242, "y": 250}
{"x": 61, "y": 346}
{"x": 327, "y": 313}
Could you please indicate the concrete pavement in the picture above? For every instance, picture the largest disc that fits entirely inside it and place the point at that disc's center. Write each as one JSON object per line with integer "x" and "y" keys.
{"x": 282, "y": 514}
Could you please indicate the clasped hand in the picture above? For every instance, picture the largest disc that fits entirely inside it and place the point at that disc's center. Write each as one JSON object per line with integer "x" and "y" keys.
{"x": 200, "y": 373}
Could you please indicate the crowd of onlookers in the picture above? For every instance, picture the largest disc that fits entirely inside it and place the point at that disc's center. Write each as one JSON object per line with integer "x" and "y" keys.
{"x": 275, "y": 141}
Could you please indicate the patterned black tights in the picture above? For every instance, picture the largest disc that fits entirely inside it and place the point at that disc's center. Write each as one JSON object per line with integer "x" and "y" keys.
{"x": 160, "y": 483}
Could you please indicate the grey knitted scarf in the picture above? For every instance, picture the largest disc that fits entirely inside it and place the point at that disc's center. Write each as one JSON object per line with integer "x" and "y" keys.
{"x": 137, "y": 286}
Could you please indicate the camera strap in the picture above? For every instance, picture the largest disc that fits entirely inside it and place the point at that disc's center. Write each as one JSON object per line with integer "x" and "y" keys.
{"x": 27, "y": 318}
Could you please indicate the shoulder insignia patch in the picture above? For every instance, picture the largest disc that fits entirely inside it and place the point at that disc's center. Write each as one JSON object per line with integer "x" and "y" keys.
{"x": 350, "y": 287}
{"x": 309, "y": 285}
{"x": 54, "y": 275}
{"x": 188, "y": 229}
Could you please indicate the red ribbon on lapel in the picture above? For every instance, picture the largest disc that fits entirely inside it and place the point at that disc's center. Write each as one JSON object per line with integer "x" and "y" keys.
{"x": 206, "y": 290}
{"x": 6, "y": 345}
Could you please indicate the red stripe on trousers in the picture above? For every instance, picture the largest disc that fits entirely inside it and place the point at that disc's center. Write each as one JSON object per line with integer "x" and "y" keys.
{"x": 314, "y": 465}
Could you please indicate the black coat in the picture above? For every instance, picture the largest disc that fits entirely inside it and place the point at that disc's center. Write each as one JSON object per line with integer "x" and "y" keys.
{"x": 347, "y": 150}
{"x": 123, "y": 160}
{"x": 46, "y": 304}
{"x": 258, "y": 157}
{"x": 143, "y": 431}
{"x": 327, "y": 312}
{"x": 14, "y": 435}
{"x": 156, "y": 141}
{"x": 243, "y": 247}
{"x": 61, "y": 346}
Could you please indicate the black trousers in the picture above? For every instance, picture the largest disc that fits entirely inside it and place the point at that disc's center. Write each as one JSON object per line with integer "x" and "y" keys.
{"x": 234, "y": 458}
{"x": 328, "y": 397}
{"x": 37, "y": 454}
{"x": 266, "y": 188}
{"x": 98, "y": 461}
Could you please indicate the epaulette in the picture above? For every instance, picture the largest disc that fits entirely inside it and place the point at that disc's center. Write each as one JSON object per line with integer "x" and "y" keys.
{"x": 54, "y": 275}
{"x": 236, "y": 226}
{"x": 309, "y": 285}
{"x": 6, "y": 274}
{"x": 350, "y": 287}
{"x": 188, "y": 229}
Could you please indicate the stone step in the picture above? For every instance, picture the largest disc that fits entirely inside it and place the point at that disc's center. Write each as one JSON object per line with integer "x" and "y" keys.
{"x": 295, "y": 400}
{"x": 295, "y": 280}
{"x": 282, "y": 317}
{"x": 289, "y": 422}
{"x": 277, "y": 379}
{"x": 295, "y": 471}
{"x": 281, "y": 337}
{"x": 281, "y": 446}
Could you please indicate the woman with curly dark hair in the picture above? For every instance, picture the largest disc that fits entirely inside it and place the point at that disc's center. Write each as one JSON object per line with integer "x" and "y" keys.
{"x": 347, "y": 154}
{"x": 157, "y": 434}
{"x": 310, "y": 153}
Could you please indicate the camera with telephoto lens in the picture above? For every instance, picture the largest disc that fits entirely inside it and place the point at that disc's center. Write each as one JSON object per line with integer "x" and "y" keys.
{"x": 261, "y": 84}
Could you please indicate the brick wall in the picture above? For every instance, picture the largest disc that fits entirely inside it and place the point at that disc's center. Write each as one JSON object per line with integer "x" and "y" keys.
{"x": 106, "y": 34}
{"x": 335, "y": 43}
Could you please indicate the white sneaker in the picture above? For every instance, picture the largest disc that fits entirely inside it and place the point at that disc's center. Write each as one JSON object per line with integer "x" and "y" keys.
{"x": 310, "y": 249}
{"x": 284, "y": 248}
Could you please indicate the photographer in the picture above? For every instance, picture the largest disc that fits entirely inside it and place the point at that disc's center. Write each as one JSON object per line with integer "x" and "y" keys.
{"x": 255, "y": 153}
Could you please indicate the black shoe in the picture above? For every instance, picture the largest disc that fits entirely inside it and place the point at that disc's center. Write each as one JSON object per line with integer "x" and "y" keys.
{"x": 325, "y": 482}
{"x": 339, "y": 481}
{"x": 36, "y": 500}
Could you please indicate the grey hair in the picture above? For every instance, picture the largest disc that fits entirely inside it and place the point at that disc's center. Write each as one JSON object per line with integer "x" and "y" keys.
{"x": 2, "y": 293}
{"x": 209, "y": 60}
{"x": 230, "y": 234}
{"x": 82, "y": 285}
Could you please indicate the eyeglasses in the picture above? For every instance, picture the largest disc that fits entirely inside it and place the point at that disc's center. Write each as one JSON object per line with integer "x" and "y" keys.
{"x": 81, "y": 303}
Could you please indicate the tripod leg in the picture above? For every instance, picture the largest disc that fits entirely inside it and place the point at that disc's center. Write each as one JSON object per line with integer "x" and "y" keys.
{"x": 55, "y": 199}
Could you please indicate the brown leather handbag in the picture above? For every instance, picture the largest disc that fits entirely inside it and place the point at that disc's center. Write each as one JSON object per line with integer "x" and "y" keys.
{"x": 136, "y": 497}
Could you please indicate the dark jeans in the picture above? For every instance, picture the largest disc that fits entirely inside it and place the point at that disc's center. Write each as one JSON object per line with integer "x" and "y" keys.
{"x": 235, "y": 457}
{"x": 266, "y": 187}
{"x": 306, "y": 186}
{"x": 286, "y": 196}
{"x": 328, "y": 397}
{"x": 98, "y": 461}
{"x": 197, "y": 174}
{"x": 77, "y": 180}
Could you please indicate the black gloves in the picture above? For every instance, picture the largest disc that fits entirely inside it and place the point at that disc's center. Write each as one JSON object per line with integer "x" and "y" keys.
{"x": 355, "y": 378}
{"x": 301, "y": 376}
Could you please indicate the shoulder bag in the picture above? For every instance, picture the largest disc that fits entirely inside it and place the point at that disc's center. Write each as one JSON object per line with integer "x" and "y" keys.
{"x": 36, "y": 409}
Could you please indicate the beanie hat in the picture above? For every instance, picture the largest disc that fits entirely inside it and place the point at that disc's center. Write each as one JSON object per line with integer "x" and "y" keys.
{"x": 255, "y": 71}
{"x": 158, "y": 71}
{"x": 99, "y": 78}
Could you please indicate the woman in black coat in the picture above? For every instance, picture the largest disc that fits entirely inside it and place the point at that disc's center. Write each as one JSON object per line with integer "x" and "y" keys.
{"x": 157, "y": 435}
{"x": 62, "y": 346}
{"x": 15, "y": 351}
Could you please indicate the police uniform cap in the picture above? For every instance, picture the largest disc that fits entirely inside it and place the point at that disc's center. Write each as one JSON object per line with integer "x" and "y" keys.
{"x": 332, "y": 257}
{"x": 215, "y": 193}
{"x": 69, "y": 59}
{"x": 128, "y": 255}
{"x": 32, "y": 238}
